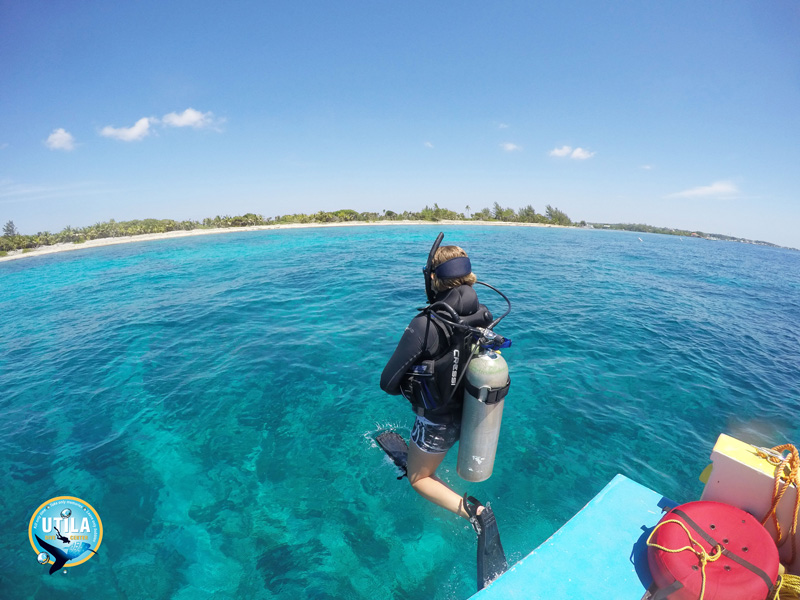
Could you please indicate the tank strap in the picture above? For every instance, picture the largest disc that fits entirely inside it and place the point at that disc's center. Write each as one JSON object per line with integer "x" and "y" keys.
{"x": 494, "y": 396}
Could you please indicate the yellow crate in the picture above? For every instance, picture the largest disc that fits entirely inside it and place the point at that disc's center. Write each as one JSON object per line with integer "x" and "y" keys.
{"x": 741, "y": 477}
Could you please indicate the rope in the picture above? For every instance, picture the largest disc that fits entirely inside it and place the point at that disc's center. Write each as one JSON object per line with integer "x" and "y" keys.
{"x": 788, "y": 467}
{"x": 788, "y": 587}
{"x": 695, "y": 547}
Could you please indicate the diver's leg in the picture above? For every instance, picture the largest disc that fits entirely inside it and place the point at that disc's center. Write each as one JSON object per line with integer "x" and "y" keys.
{"x": 421, "y": 474}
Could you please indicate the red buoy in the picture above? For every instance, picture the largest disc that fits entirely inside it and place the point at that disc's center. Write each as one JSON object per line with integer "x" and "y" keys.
{"x": 714, "y": 551}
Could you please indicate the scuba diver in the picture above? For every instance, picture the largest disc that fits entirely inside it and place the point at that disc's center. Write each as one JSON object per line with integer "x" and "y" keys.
{"x": 428, "y": 368}
{"x": 63, "y": 538}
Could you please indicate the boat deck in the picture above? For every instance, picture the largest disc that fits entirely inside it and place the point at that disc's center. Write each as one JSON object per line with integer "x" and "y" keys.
{"x": 600, "y": 553}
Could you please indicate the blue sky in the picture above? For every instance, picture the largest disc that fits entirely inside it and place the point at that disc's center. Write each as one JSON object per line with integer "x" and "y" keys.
{"x": 677, "y": 114}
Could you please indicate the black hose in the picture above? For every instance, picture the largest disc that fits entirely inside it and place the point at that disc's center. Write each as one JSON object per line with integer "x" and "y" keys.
{"x": 501, "y": 317}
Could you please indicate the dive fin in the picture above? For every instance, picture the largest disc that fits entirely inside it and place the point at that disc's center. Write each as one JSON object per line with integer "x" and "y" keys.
{"x": 397, "y": 449}
{"x": 491, "y": 558}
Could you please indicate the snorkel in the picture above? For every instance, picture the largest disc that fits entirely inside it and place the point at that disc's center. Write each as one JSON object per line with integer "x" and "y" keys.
{"x": 427, "y": 270}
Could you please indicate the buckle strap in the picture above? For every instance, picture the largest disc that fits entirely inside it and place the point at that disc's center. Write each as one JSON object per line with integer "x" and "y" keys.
{"x": 494, "y": 395}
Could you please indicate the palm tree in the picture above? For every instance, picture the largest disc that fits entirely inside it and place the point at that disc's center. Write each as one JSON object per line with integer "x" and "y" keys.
{"x": 468, "y": 209}
{"x": 10, "y": 230}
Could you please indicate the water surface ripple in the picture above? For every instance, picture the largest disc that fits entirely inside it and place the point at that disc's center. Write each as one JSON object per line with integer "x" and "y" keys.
{"x": 216, "y": 398}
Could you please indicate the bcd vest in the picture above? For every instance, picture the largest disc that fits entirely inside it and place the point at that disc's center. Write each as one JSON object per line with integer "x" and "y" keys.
{"x": 435, "y": 386}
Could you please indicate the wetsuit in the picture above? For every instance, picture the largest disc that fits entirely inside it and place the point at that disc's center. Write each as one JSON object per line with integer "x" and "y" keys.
{"x": 425, "y": 339}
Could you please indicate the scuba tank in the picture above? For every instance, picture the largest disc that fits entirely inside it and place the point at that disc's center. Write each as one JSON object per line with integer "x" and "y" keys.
{"x": 486, "y": 386}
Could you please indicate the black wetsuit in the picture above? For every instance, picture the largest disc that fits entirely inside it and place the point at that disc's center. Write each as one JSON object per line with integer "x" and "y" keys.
{"x": 423, "y": 340}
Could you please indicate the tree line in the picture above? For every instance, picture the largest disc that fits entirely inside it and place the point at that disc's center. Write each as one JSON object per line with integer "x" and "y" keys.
{"x": 13, "y": 240}
{"x": 682, "y": 232}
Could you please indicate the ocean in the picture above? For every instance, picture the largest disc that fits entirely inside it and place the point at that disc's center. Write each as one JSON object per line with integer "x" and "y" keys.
{"x": 216, "y": 399}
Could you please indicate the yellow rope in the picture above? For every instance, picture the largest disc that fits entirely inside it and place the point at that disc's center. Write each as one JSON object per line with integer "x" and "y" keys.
{"x": 788, "y": 587}
{"x": 703, "y": 556}
{"x": 787, "y": 468}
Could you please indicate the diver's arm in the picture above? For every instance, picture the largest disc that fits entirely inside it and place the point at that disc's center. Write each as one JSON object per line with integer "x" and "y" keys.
{"x": 408, "y": 351}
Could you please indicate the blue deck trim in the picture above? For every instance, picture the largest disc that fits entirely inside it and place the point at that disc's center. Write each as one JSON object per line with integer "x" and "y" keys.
{"x": 600, "y": 553}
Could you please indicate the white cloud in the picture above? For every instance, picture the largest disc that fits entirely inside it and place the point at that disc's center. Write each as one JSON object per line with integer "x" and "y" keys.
{"x": 574, "y": 154}
{"x": 581, "y": 154}
{"x": 647, "y": 167}
{"x": 140, "y": 130}
{"x": 718, "y": 189}
{"x": 509, "y": 147}
{"x": 143, "y": 127}
{"x": 502, "y": 126}
{"x": 560, "y": 152}
{"x": 189, "y": 118}
{"x": 60, "y": 139}
{"x": 428, "y": 145}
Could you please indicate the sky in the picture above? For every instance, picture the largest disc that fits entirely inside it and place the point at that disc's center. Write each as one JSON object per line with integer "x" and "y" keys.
{"x": 679, "y": 114}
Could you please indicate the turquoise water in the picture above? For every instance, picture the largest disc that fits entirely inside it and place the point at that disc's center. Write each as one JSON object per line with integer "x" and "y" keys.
{"x": 215, "y": 399}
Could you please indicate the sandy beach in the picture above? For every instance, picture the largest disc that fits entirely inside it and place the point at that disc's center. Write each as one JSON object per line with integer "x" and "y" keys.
{"x": 149, "y": 237}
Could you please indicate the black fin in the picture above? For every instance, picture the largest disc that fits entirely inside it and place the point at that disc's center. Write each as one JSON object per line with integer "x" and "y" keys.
{"x": 396, "y": 447}
{"x": 491, "y": 558}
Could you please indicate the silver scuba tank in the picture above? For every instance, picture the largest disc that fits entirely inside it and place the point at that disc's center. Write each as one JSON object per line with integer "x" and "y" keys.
{"x": 487, "y": 374}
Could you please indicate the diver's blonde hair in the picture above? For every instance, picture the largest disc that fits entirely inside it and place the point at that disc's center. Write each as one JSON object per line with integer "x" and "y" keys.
{"x": 443, "y": 254}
